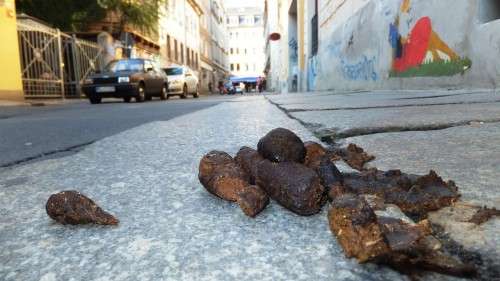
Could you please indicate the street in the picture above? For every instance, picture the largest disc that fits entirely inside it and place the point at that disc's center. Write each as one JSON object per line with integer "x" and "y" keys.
{"x": 35, "y": 133}
{"x": 146, "y": 173}
{"x": 269, "y": 140}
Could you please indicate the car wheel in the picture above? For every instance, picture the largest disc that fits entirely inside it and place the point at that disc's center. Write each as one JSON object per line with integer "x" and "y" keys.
{"x": 95, "y": 100}
{"x": 163, "y": 94}
{"x": 127, "y": 99}
{"x": 196, "y": 93}
{"x": 141, "y": 94}
{"x": 184, "y": 92}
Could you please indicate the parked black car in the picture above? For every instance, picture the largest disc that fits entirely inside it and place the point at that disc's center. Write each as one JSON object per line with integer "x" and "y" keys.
{"x": 129, "y": 78}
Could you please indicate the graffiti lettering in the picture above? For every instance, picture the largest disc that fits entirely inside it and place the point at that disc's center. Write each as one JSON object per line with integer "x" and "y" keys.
{"x": 363, "y": 70}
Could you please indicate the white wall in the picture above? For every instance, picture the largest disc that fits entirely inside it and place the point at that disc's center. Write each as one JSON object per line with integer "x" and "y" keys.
{"x": 356, "y": 53}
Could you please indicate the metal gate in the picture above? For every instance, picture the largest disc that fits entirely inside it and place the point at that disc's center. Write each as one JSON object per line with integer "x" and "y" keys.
{"x": 81, "y": 57}
{"x": 41, "y": 61}
{"x": 54, "y": 64}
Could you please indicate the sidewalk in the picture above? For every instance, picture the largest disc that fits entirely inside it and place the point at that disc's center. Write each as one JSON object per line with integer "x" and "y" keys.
{"x": 41, "y": 102}
{"x": 172, "y": 229}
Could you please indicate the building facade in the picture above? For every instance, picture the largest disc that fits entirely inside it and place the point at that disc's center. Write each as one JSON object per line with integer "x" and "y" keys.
{"x": 246, "y": 41}
{"x": 11, "y": 87}
{"x": 385, "y": 44}
{"x": 179, "y": 34}
{"x": 213, "y": 46}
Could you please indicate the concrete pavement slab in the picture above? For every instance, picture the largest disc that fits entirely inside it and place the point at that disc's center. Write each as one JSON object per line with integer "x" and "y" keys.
{"x": 381, "y": 100}
{"x": 170, "y": 227}
{"x": 346, "y": 123}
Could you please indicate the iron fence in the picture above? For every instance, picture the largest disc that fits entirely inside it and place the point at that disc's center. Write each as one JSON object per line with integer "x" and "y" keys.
{"x": 55, "y": 64}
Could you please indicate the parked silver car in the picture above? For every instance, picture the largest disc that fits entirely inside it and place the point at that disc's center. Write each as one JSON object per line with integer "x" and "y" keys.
{"x": 182, "y": 81}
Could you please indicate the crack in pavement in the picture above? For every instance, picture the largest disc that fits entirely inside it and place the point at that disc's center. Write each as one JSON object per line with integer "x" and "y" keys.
{"x": 387, "y": 106}
{"x": 331, "y": 135}
{"x": 73, "y": 148}
{"x": 310, "y": 126}
{"x": 433, "y": 97}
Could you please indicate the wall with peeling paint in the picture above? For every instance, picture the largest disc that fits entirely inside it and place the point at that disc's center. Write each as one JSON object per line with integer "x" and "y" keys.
{"x": 404, "y": 44}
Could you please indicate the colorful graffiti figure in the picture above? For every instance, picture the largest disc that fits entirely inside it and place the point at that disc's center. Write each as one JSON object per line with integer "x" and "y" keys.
{"x": 422, "y": 52}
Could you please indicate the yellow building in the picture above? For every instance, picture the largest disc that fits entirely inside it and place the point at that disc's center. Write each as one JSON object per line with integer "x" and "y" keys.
{"x": 10, "y": 69}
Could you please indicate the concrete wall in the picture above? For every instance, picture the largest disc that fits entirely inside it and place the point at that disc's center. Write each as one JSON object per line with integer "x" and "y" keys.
{"x": 400, "y": 44}
{"x": 388, "y": 44}
{"x": 10, "y": 68}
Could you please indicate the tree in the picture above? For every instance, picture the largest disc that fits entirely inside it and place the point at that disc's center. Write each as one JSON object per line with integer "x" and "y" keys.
{"x": 142, "y": 14}
{"x": 75, "y": 15}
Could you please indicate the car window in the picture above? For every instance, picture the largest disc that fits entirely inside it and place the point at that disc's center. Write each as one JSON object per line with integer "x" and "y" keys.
{"x": 173, "y": 71}
{"x": 157, "y": 68}
{"x": 148, "y": 65}
{"x": 125, "y": 65}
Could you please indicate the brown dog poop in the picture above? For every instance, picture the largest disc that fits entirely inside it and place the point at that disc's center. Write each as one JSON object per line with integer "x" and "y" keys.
{"x": 373, "y": 213}
{"x": 354, "y": 156}
{"x": 248, "y": 159}
{"x": 319, "y": 159}
{"x": 415, "y": 195}
{"x": 223, "y": 177}
{"x": 282, "y": 145}
{"x": 72, "y": 207}
{"x": 293, "y": 185}
{"x": 252, "y": 200}
{"x": 385, "y": 235}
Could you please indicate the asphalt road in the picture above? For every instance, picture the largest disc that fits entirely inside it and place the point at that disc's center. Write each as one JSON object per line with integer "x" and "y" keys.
{"x": 33, "y": 133}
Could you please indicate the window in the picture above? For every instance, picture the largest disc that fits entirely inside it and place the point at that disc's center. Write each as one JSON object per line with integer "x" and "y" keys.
{"x": 182, "y": 53}
{"x": 238, "y": 67}
{"x": 245, "y": 51}
{"x": 188, "y": 56}
{"x": 232, "y": 67}
{"x": 246, "y": 67}
{"x": 241, "y": 20}
{"x": 232, "y": 51}
{"x": 314, "y": 30}
{"x": 169, "y": 51}
{"x": 258, "y": 19}
{"x": 489, "y": 10}
{"x": 148, "y": 65}
{"x": 238, "y": 51}
{"x": 176, "y": 50}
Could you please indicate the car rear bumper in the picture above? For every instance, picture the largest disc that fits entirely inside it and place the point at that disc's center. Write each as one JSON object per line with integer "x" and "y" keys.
{"x": 175, "y": 88}
{"x": 119, "y": 90}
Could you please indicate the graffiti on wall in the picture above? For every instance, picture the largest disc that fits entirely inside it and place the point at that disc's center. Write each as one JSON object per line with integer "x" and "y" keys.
{"x": 422, "y": 52}
{"x": 312, "y": 73}
{"x": 362, "y": 70}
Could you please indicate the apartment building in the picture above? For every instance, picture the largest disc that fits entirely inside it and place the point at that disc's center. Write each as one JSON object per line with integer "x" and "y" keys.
{"x": 213, "y": 46}
{"x": 246, "y": 40}
{"x": 179, "y": 34}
